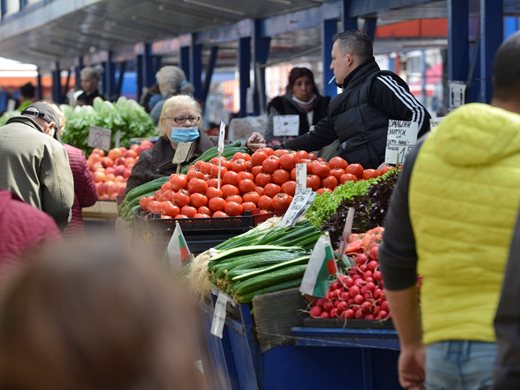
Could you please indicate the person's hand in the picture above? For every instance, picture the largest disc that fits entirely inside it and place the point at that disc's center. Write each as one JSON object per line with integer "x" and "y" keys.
{"x": 255, "y": 141}
{"x": 411, "y": 368}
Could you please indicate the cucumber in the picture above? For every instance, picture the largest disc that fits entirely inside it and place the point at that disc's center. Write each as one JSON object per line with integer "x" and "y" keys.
{"x": 267, "y": 279}
{"x": 246, "y": 298}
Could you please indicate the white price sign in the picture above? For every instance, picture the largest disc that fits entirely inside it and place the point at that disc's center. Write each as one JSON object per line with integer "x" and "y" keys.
{"x": 99, "y": 137}
{"x": 286, "y": 125}
{"x": 401, "y": 138}
{"x": 435, "y": 121}
{"x": 301, "y": 201}
{"x": 301, "y": 177}
{"x": 457, "y": 94}
{"x": 219, "y": 315}
{"x": 181, "y": 152}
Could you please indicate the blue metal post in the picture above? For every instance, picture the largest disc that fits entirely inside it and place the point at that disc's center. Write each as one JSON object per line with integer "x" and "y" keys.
{"x": 244, "y": 66}
{"x": 196, "y": 68}
{"x": 66, "y": 87}
{"x": 329, "y": 28}
{"x": 39, "y": 86}
{"x": 260, "y": 54}
{"x": 510, "y": 26}
{"x": 110, "y": 76}
{"x": 77, "y": 72}
{"x": 56, "y": 83}
{"x": 369, "y": 27}
{"x": 119, "y": 86}
{"x": 185, "y": 60}
{"x": 349, "y": 23}
{"x": 148, "y": 70}
{"x": 140, "y": 75}
{"x": 458, "y": 46}
{"x": 473, "y": 80}
{"x": 209, "y": 73}
{"x": 157, "y": 63}
{"x": 491, "y": 35}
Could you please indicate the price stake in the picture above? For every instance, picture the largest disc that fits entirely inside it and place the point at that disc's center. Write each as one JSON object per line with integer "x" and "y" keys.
{"x": 219, "y": 315}
{"x": 99, "y": 137}
{"x": 220, "y": 149}
{"x": 301, "y": 178}
{"x": 347, "y": 231}
{"x": 400, "y": 140}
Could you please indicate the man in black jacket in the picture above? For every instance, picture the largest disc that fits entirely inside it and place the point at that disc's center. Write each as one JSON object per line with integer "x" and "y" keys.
{"x": 359, "y": 116}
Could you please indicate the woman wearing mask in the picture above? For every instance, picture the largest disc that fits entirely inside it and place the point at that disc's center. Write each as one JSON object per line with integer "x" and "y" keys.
{"x": 302, "y": 98}
{"x": 179, "y": 121}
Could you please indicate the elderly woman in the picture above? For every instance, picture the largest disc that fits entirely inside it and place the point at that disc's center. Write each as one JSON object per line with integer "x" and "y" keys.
{"x": 171, "y": 81}
{"x": 90, "y": 78}
{"x": 179, "y": 122}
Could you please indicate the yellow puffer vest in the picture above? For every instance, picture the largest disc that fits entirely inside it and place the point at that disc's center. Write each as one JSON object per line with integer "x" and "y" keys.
{"x": 464, "y": 199}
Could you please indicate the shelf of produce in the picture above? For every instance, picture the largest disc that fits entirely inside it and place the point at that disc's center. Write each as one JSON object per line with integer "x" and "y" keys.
{"x": 101, "y": 210}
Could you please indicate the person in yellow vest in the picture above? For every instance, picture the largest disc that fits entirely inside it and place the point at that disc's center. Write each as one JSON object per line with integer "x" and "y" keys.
{"x": 451, "y": 221}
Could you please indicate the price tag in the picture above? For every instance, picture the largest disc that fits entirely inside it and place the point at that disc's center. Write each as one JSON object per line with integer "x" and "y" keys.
{"x": 99, "y": 137}
{"x": 219, "y": 315}
{"x": 221, "y": 137}
{"x": 117, "y": 139}
{"x": 347, "y": 231}
{"x": 299, "y": 204}
{"x": 434, "y": 122}
{"x": 457, "y": 94}
{"x": 301, "y": 177}
{"x": 401, "y": 138}
{"x": 181, "y": 152}
{"x": 286, "y": 125}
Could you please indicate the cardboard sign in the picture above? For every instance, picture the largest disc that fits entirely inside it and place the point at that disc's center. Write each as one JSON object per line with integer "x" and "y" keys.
{"x": 457, "y": 94}
{"x": 219, "y": 315}
{"x": 99, "y": 137}
{"x": 181, "y": 152}
{"x": 401, "y": 138}
{"x": 286, "y": 125}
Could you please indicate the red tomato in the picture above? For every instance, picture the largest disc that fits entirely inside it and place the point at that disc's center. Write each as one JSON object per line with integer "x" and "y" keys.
{"x": 228, "y": 190}
{"x": 214, "y": 182}
{"x": 194, "y": 173}
{"x": 251, "y": 197}
{"x": 168, "y": 208}
{"x": 287, "y": 161}
{"x": 322, "y": 190}
{"x": 204, "y": 210}
{"x": 204, "y": 167}
{"x": 198, "y": 200}
{"x": 189, "y": 211}
{"x": 369, "y": 174}
{"x": 355, "y": 169}
{"x": 214, "y": 171}
{"x": 281, "y": 202}
{"x": 231, "y": 177}
{"x": 217, "y": 204}
{"x": 256, "y": 170}
{"x": 259, "y": 190}
{"x": 248, "y": 206}
{"x": 312, "y": 156}
{"x": 289, "y": 187}
{"x": 280, "y": 152}
{"x": 238, "y": 165}
{"x": 313, "y": 181}
{"x": 181, "y": 198}
{"x": 246, "y": 175}
{"x": 265, "y": 202}
{"x": 219, "y": 214}
{"x": 338, "y": 163}
{"x": 143, "y": 202}
{"x": 320, "y": 168}
{"x": 293, "y": 174}
{"x": 214, "y": 160}
{"x": 246, "y": 185}
{"x": 280, "y": 176}
{"x": 337, "y": 173}
{"x": 384, "y": 169}
{"x": 211, "y": 192}
{"x": 347, "y": 177}
{"x": 258, "y": 157}
{"x": 234, "y": 198}
{"x": 271, "y": 164}
{"x": 197, "y": 186}
{"x": 272, "y": 189}
{"x": 241, "y": 156}
{"x": 178, "y": 182}
{"x": 268, "y": 151}
{"x": 199, "y": 215}
{"x": 262, "y": 179}
{"x": 181, "y": 216}
{"x": 234, "y": 208}
{"x": 330, "y": 182}
{"x": 299, "y": 155}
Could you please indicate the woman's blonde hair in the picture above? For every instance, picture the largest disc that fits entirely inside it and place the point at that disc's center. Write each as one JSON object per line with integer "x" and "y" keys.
{"x": 173, "y": 105}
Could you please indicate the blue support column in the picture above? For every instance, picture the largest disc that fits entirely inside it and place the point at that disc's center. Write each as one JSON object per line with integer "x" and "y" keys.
{"x": 260, "y": 54}
{"x": 56, "y": 83}
{"x": 66, "y": 87}
{"x": 510, "y": 26}
{"x": 329, "y": 28}
{"x": 148, "y": 70}
{"x": 196, "y": 69}
{"x": 140, "y": 75}
{"x": 244, "y": 67}
{"x": 110, "y": 76}
{"x": 185, "y": 60}
{"x": 78, "y": 65}
{"x": 209, "y": 73}
{"x": 491, "y": 35}
{"x": 458, "y": 46}
{"x": 349, "y": 23}
{"x": 369, "y": 27}
{"x": 39, "y": 86}
{"x": 119, "y": 85}
{"x": 473, "y": 80}
{"x": 157, "y": 63}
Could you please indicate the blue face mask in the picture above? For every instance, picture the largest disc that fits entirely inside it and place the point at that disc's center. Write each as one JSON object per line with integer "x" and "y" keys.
{"x": 184, "y": 134}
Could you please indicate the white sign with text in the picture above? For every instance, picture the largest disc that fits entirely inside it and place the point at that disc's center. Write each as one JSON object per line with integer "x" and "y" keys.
{"x": 99, "y": 137}
{"x": 401, "y": 138}
{"x": 286, "y": 125}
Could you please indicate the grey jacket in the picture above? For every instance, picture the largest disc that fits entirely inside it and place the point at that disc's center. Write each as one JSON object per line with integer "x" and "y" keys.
{"x": 35, "y": 167}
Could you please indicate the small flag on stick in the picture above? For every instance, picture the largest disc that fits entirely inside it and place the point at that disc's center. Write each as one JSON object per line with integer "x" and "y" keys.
{"x": 177, "y": 253}
{"x": 316, "y": 278}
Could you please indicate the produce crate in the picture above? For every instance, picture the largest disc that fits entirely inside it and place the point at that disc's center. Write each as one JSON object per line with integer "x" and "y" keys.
{"x": 351, "y": 324}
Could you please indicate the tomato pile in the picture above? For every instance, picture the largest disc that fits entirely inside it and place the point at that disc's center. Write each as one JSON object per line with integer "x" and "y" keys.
{"x": 111, "y": 170}
{"x": 264, "y": 180}
{"x": 359, "y": 294}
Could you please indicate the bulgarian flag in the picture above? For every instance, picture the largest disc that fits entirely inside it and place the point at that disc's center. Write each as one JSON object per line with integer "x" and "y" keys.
{"x": 177, "y": 253}
{"x": 321, "y": 264}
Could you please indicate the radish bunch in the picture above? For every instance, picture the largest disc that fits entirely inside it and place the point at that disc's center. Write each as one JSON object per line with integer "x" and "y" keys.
{"x": 359, "y": 294}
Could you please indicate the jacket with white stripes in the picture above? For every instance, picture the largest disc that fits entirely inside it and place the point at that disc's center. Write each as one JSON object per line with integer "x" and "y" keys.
{"x": 359, "y": 116}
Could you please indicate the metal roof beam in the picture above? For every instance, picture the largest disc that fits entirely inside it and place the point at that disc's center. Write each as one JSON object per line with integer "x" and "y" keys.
{"x": 361, "y": 8}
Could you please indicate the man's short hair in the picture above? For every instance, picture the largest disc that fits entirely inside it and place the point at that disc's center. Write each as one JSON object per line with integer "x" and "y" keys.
{"x": 506, "y": 72}
{"x": 27, "y": 90}
{"x": 356, "y": 42}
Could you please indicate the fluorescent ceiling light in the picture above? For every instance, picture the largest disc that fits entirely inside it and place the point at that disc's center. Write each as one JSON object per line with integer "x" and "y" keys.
{"x": 286, "y": 2}
{"x": 215, "y": 7}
